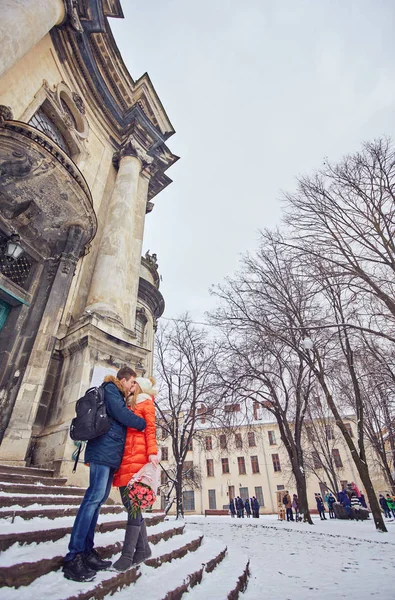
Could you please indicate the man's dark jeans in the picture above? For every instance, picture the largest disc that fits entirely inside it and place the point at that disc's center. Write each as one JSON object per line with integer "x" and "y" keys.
{"x": 83, "y": 533}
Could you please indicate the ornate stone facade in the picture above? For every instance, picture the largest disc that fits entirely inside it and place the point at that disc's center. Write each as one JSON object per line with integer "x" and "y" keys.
{"x": 83, "y": 151}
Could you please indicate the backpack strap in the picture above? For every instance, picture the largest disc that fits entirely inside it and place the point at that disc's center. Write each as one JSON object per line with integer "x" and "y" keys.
{"x": 76, "y": 454}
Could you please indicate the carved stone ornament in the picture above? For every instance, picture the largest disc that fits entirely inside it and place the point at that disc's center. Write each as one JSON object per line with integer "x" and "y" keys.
{"x": 72, "y": 14}
{"x": 132, "y": 148}
{"x": 78, "y": 101}
{"x": 5, "y": 113}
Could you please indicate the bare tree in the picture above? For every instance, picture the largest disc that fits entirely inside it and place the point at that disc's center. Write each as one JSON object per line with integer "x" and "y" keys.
{"x": 185, "y": 358}
{"x": 260, "y": 364}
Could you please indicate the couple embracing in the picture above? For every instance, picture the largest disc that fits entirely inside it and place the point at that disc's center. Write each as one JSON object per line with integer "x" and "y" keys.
{"x": 113, "y": 459}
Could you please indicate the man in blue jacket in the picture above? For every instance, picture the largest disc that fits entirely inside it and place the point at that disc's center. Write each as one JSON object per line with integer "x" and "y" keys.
{"x": 104, "y": 455}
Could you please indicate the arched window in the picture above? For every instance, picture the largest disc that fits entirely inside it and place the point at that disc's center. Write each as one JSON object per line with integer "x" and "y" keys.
{"x": 140, "y": 328}
{"x": 40, "y": 120}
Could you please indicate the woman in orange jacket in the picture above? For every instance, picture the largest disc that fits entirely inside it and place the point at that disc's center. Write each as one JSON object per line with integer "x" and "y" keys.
{"x": 140, "y": 448}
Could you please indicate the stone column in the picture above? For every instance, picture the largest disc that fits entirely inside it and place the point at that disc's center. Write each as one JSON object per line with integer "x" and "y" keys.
{"x": 23, "y": 23}
{"x": 113, "y": 289}
{"x": 17, "y": 437}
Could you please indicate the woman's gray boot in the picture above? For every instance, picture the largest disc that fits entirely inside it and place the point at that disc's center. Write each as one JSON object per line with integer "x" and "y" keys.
{"x": 143, "y": 550}
{"x": 126, "y": 559}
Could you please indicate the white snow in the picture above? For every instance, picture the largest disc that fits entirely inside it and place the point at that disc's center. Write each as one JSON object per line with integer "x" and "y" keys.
{"x": 288, "y": 561}
{"x": 297, "y": 561}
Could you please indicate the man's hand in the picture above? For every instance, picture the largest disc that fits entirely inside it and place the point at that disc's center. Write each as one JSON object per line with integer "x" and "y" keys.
{"x": 153, "y": 458}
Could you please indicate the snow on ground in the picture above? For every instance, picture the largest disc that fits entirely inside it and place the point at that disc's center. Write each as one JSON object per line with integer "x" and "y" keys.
{"x": 288, "y": 561}
{"x": 297, "y": 561}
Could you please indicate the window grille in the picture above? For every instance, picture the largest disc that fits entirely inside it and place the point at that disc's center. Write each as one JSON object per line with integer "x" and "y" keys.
{"x": 41, "y": 121}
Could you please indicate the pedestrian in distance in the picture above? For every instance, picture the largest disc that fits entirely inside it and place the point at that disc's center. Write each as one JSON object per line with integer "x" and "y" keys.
{"x": 356, "y": 506}
{"x": 320, "y": 507}
{"x": 288, "y": 506}
{"x": 391, "y": 504}
{"x": 232, "y": 508}
{"x": 295, "y": 506}
{"x": 331, "y": 501}
{"x": 384, "y": 506}
{"x": 255, "y": 507}
{"x": 247, "y": 507}
{"x": 140, "y": 449}
{"x": 103, "y": 455}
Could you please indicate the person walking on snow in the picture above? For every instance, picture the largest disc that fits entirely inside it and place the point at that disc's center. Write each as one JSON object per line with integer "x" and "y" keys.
{"x": 391, "y": 504}
{"x": 331, "y": 501}
{"x": 384, "y": 506}
{"x": 103, "y": 455}
{"x": 320, "y": 507}
{"x": 140, "y": 448}
{"x": 248, "y": 508}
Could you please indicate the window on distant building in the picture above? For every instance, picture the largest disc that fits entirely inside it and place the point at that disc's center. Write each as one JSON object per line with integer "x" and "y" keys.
{"x": 202, "y": 411}
{"x": 225, "y": 465}
{"x": 239, "y": 440}
{"x": 232, "y": 408}
{"x": 337, "y": 458}
{"x": 209, "y": 442}
{"x": 251, "y": 439}
{"x": 190, "y": 446}
{"x": 276, "y": 462}
{"x": 257, "y": 408}
{"x": 254, "y": 464}
{"x": 243, "y": 493}
{"x": 272, "y": 438}
{"x": 187, "y": 468}
{"x": 164, "y": 453}
{"x": 242, "y": 465}
{"x": 222, "y": 442}
{"x": 210, "y": 467}
{"x": 211, "y": 499}
{"x": 259, "y": 495}
{"x": 317, "y": 464}
{"x": 188, "y": 500}
{"x": 349, "y": 429}
{"x": 231, "y": 492}
{"x": 329, "y": 432}
{"x": 280, "y": 487}
{"x": 163, "y": 478}
{"x": 310, "y": 433}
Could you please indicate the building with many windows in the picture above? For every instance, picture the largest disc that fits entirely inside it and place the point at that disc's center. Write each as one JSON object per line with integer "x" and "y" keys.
{"x": 250, "y": 460}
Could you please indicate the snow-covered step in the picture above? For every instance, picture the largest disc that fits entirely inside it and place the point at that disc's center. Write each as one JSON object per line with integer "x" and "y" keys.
{"x": 26, "y": 471}
{"x": 24, "y": 500}
{"x": 54, "y": 513}
{"x": 17, "y": 533}
{"x": 228, "y": 580}
{"x": 33, "y": 479}
{"x": 20, "y": 566}
{"x": 53, "y": 585}
{"x": 174, "y": 578}
{"x": 40, "y": 489}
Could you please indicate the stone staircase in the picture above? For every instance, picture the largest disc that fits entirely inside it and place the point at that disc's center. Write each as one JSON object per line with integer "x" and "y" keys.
{"x": 36, "y": 515}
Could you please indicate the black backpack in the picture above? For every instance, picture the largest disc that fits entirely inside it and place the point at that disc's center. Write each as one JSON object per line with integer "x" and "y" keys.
{"x": 91, "y": 419}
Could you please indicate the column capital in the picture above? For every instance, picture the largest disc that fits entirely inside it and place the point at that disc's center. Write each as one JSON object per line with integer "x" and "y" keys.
{"x": 132, "y": 147}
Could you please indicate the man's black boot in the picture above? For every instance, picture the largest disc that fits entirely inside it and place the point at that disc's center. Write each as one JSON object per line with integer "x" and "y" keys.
{"x": 77, "y": 570}
{"x": 93, "y": 561}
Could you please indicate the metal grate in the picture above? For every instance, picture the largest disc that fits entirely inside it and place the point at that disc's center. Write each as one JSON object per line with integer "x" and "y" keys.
{"x": 40, "y": 120}
{"x": 16, "y": 270}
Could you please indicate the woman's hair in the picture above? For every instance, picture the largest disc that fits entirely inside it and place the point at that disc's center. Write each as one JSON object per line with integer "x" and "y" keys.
{"x": 132, "y": 399}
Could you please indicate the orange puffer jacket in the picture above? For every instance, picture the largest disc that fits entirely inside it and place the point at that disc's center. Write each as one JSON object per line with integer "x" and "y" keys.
{"x": 139, "y": 444}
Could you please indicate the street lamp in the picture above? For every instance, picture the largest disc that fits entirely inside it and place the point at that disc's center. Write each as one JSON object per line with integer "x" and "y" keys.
{"x": 13, "y": 248}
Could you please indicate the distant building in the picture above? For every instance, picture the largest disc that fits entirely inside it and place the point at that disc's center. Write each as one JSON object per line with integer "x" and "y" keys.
{"x": 83, "y": 154}
{"x": 250, "y": 460}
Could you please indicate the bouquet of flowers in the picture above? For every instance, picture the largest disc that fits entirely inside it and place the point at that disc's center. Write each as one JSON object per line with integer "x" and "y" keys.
{"x": 142, "y": 488}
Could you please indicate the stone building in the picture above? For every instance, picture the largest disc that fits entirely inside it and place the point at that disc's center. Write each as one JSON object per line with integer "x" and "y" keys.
{"x": 83, "y": 153}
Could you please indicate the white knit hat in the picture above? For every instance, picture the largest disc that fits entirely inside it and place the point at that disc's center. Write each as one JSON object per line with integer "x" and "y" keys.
{"x": 146, "y": 386}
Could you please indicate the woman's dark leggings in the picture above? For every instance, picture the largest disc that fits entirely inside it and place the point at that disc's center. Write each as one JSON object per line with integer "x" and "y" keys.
{"x": 132, "y": 520}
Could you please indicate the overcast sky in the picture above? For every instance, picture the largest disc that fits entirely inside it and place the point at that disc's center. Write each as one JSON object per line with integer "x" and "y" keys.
{"x": 259, "y": 92}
